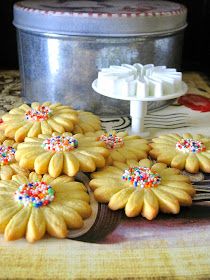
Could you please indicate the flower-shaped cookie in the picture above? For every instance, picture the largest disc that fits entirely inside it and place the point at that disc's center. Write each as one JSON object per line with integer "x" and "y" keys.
{"x": 56, "y": 154}
{"x": 8, "y": 164}
{"x": 87, "y": 122}
{"x": 189, "y": 152}
{"x": 31, "y": 206}
{"x": 2, "y": 137}
{"x": 142, "y": 188}
{"x": 32, "y": 121}
{"x": 121, "y": 145}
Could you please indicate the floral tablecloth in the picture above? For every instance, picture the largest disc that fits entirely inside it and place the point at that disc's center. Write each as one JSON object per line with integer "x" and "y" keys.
{"x": 166, "y": 248}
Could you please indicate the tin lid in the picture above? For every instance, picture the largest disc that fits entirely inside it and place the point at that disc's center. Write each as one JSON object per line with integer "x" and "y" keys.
{"x": 105, "y": 18}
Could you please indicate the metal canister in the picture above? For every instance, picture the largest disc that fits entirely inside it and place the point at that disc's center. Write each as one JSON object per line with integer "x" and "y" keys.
{"x": 63, "y": 44}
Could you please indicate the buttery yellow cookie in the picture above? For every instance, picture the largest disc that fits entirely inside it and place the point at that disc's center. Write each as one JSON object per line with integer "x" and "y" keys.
{"x": 2, "y": 137}
{"x": 121, "y": 145}
{"x": 142, "y": 188}
{"x": 31, "y": 206}
{"x": 8, "y": 164}
{"x": 61, "y": 153}
{"x": 87, "y": 122}
{"x": 189, "y": 152}
{"x": 38, "y": 119}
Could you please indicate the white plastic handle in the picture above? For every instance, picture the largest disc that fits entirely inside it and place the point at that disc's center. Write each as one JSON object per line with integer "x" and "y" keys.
{"x": 138, "y": 110}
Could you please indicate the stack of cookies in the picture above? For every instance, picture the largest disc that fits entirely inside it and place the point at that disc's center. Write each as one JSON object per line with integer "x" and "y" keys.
{"x": 43, "y": 146}
{"x": 39, "y": 156}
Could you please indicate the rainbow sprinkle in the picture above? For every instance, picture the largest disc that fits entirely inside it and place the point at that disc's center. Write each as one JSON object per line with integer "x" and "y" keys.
{"x": 142, "y": 177}
{"x": 112, "y": 141}
{"x": 42, "y": 113}
{"x": 7, "y": 154}
{"x": 34, "y": 194}
{"x": 60, "y": 143}
{"x": 190, "y": 145}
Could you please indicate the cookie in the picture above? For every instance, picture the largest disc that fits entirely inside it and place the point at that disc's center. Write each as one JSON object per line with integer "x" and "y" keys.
{"x": 121, "y": 145}
{"x": 189, "y": 152}
{"x": 38, "y": 119}
{"x": 8, "y": 163}
{"x": 61, "y": 154}
{"x": 87, "y": 122}
{"x": 2, "y": 137}
{"x": 35, "y": 205}
{"x": 142, "y": 188}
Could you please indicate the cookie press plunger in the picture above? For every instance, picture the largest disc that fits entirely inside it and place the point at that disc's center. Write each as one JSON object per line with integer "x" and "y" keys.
{"x": 138, "y": 110}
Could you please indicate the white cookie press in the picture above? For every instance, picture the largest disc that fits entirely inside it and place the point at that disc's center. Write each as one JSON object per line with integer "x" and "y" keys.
{"x": 139, "y": 84}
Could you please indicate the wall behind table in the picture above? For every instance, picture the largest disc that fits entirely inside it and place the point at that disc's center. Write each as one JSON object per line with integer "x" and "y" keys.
{"x": 196, "y": 52}
{"x": 8, "y": 47}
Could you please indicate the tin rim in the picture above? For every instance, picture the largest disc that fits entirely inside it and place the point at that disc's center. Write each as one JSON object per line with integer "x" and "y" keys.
{"x": 156, "y": 20}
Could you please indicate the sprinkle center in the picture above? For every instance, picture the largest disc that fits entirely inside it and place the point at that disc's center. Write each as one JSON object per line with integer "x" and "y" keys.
{"x": 60, "y": 144}
{"x": 190, "y": 146}
{"x": 7, "y": 155}
{"x": 141, "y": 177}
{"x": 42, "y": 113}
{"x": 112, "y": 141}
{"x": 34, "y": 194}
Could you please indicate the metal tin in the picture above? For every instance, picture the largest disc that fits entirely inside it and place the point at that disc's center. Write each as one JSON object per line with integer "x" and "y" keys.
{"x": 63, "y": 44}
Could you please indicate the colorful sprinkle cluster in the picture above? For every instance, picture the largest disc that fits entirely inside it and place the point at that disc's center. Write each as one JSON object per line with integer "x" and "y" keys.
{"x": 190, "y": 145}
{"x": 112, "y": 141}
{"x": 60, "y": 143}
{"x": 7, "y": 155}
{"x": 142, "y": 177}
{"x": 34, "y": 194}
{"x": 42, "y": 113}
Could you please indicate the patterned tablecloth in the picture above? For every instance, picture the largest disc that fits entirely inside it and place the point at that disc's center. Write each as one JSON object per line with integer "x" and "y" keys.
{"x": 173, "y": 247}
